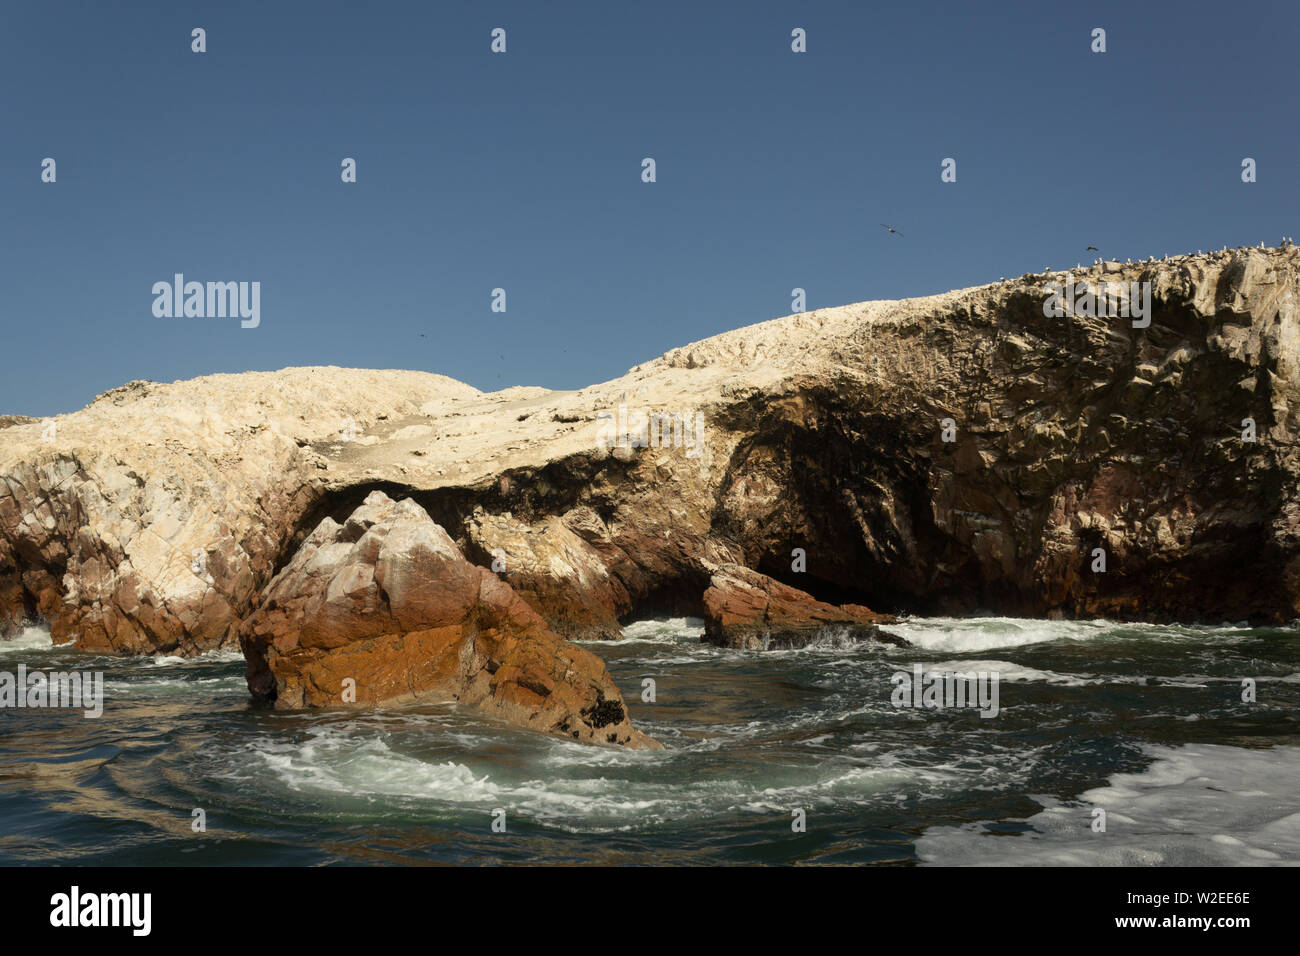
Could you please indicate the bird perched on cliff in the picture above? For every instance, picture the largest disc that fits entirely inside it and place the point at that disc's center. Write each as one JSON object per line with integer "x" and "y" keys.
{"x": 892, "y": 229}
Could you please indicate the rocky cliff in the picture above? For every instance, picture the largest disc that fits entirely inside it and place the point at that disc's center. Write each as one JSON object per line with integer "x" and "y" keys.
{"x": 938, "y": 454}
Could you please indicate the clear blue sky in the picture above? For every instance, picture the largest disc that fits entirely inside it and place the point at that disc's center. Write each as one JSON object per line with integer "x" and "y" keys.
{"x": 523, "y": 170}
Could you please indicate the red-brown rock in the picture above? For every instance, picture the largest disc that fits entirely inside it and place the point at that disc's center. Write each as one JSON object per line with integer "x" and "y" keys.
{"x": 751, "y": 611}
{"x": 386, "y": 606}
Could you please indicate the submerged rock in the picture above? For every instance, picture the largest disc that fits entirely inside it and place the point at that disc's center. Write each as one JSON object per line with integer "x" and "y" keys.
{"x": 384, "y": 608}
{"x": 751, "y": 611}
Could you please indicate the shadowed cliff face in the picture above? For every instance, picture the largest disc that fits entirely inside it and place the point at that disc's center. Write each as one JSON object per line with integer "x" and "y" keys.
{"x": 823, "y": 432}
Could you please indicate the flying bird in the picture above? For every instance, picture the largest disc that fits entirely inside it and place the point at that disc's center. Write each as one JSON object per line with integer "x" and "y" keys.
{"x": 1092, "y": 249}
{"x": 892, "y": 229}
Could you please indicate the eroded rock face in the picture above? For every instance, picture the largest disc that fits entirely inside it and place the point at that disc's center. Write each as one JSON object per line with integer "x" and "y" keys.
{"x": 557, "y": 571}
{"x": 823, "y": 431}
{"x": 147, "y": 521}
{"x": 384, "y": 608}
{"x": 751, "y": 611}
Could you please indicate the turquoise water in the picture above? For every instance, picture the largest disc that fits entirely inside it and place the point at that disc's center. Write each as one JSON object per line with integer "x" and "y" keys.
{"x": 1143, "y": 722}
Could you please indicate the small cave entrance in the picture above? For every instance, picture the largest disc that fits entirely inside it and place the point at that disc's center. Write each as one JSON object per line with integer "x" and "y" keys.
{"x": 880, "y": 599}
{"x": 681, "y": 596}
{"x": 338, "y": 505}
{"x": 527, "y": 493}
{"x": 20, "y": 605}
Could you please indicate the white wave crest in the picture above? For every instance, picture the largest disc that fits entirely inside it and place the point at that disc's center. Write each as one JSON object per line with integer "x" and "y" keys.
{"x": 1203, "y": 805}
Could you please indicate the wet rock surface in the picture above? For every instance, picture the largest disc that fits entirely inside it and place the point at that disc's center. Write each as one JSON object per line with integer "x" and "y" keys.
{"x": 385, "y": 608}
{"x": 750, "y": 611}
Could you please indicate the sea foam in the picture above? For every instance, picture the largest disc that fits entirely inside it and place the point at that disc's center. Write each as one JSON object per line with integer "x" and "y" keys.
{"x": 1197, "y": 805}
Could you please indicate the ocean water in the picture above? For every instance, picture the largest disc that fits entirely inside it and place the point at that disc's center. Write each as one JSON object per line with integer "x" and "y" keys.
{"x": 1143, "y": 722}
